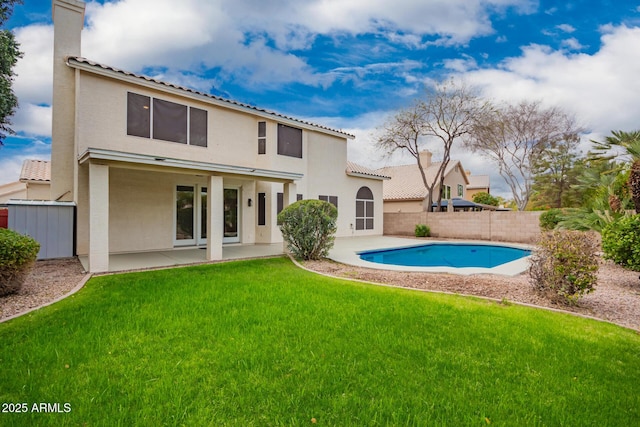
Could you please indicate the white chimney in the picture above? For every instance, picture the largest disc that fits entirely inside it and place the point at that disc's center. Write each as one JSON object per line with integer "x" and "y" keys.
{"x": 68, "y": 20}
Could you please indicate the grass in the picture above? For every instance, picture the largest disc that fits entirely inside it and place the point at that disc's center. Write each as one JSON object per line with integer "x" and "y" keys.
{"x": 264, "y": 343}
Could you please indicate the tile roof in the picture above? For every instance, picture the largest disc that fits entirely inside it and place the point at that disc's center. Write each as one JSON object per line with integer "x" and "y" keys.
{"x": 36, "y": 170}
{"x": 78, "y": 60}
{"x": 356, "y": 169}
{"x": 478, "y": 181}
{"x": 406, "y": 181}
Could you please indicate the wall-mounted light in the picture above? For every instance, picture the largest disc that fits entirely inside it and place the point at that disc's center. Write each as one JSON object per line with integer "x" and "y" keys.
{"x": 249, "y": 202}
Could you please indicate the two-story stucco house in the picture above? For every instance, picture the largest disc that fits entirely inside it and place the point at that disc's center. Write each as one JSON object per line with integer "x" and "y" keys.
{"x": 405, "y": 191}
{"x": 155, "y": 166}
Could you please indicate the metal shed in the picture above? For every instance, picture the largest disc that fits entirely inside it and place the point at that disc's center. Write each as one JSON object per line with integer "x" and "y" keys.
{"x": 50, "y": 223}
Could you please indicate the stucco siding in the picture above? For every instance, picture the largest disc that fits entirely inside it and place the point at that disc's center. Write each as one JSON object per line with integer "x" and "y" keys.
{"x": 232, "y": 136}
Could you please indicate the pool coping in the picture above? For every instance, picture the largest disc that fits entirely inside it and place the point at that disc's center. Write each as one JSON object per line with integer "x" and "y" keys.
{"x": 346, "y": 251}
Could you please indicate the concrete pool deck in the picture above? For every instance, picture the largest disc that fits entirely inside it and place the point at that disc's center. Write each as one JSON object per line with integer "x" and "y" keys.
{"x": 346, "y": 249}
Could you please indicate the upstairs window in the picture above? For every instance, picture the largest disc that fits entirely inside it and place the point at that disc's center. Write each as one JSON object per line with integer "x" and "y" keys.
{"x": 262, "y": 137}
{"x": 289, "y": 141}
{"x": 446, "y": 192}
{"x": 165, "y": 120}
{"x": 197, "y": 127}
{"x": 138, "y": 115}
{"x": 460, "y": 190}
{"x": 169, "y": 121}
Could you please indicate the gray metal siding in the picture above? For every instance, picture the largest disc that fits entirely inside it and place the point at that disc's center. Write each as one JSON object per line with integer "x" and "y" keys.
{"x": 50, "y": 223}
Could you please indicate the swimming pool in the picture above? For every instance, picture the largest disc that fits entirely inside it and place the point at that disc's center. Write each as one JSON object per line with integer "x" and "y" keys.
{"x": 455, "y": 255}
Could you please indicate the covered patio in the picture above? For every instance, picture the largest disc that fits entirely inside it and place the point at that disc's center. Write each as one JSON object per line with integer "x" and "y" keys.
{"x": 176, "y": 257}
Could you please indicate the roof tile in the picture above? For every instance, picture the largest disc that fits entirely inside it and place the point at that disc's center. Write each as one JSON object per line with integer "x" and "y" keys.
{"x": 36, "y": 170}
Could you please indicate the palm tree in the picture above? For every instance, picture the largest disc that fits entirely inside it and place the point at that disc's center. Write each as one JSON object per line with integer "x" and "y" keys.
{"x": 630, "y": 143}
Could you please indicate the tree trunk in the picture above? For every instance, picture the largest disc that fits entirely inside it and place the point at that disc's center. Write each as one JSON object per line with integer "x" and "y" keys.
{"x": 634, "y": 184}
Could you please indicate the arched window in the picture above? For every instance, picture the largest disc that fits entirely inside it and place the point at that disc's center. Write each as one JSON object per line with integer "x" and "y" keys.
{"x": 364, "y": 209}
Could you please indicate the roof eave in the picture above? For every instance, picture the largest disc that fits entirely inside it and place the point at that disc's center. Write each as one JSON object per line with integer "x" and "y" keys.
{"x": 366, "y": 175}
{"x": 139, "y": 80}
{"x": 165, "y": 162}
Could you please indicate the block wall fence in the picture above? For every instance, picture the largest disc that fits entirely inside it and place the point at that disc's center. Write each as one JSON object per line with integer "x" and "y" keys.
{"x": 505, "y": 226}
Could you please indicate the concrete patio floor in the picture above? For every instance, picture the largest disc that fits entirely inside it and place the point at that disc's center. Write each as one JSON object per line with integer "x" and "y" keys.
{"x": 184, "y": 256}
{"x": 345, "y": 251}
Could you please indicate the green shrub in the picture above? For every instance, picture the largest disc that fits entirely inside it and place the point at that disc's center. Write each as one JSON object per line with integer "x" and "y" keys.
{"x": 621, "y": 242}
{"x": 549, "y": 219}
{"x": 564, "y": 266}
{"x": 17, "y": 255}
{"x": 485, "y": 199}
{"x": 422, "y": 230}
{"x": 308, "y": 228}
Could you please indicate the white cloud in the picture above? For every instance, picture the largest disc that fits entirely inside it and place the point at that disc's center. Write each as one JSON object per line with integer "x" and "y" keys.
{"x": 11, "y": 167}
{"x": 566, "y": 28}
{"x": 601, "y": 88}
{"x": 33, "y": 120}
{"x": 35, "y": 69}
{"x": 572, "y": 44}
{"x": 461, "y": 65}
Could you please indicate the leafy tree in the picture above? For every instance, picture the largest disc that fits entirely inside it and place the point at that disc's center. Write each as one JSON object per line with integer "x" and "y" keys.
{"x": 555, "y": 173}
{"x": 9, "y": 55}
{"x": 445, "y": 115}
{"x": 626, "y": 146}
{"x": 604, "y": 194}
{"x": 516, "y": 136}
{"x": 486, "y": 199}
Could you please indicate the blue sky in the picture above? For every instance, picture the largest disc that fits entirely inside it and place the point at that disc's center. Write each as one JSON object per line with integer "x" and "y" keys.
{"x": 349, "y": 64}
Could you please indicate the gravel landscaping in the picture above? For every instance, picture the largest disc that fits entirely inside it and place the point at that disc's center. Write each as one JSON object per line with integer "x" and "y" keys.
{"x": 48, "y": 281}
{"x": 615, "y": 299}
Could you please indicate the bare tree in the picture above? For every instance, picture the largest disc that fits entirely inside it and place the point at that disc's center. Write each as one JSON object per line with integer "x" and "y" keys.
{"x": 516, "y": 136}
{"x": 447, "y": 113}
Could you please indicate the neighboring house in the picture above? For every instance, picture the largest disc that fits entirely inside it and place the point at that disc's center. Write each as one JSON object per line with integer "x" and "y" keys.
{"x": 155, "y": 166}
{"x": 405, "y": 191}
{"x": 34, "y": 183}
{"x": 12, "y": 190}
{"x": 477, "y": 184}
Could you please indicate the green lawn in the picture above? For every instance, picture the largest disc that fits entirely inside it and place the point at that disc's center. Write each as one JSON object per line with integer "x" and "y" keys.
{"x": 265, "y": 343}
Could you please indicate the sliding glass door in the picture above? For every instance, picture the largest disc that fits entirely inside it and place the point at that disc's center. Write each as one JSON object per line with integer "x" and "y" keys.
{"x": 191, "y": 215}
{"x": 185, "y": 215}
{"x": 231, "y": 216}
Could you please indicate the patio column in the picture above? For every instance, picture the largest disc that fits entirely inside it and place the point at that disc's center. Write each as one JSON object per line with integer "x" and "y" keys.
{"x": 215, "y": 220}
{"x": 290, "y": 195}
{"x": 98, "y": 218}
{"x": 289, "y": 198}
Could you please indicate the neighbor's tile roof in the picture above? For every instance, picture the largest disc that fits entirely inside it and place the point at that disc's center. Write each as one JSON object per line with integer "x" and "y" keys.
{"x": 99, "y": 66}
{"x": 36, "y": 170}
{"x": 478, "y": 181}
{"x": 406, "y": 181}
{"x": 354, "y": 168}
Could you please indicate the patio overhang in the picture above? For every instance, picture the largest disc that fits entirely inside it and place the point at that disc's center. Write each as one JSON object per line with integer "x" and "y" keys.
{"x": 131, "y": 160}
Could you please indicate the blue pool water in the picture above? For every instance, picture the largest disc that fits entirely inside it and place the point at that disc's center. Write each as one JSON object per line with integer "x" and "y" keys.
{"x": 447, "y": 255}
